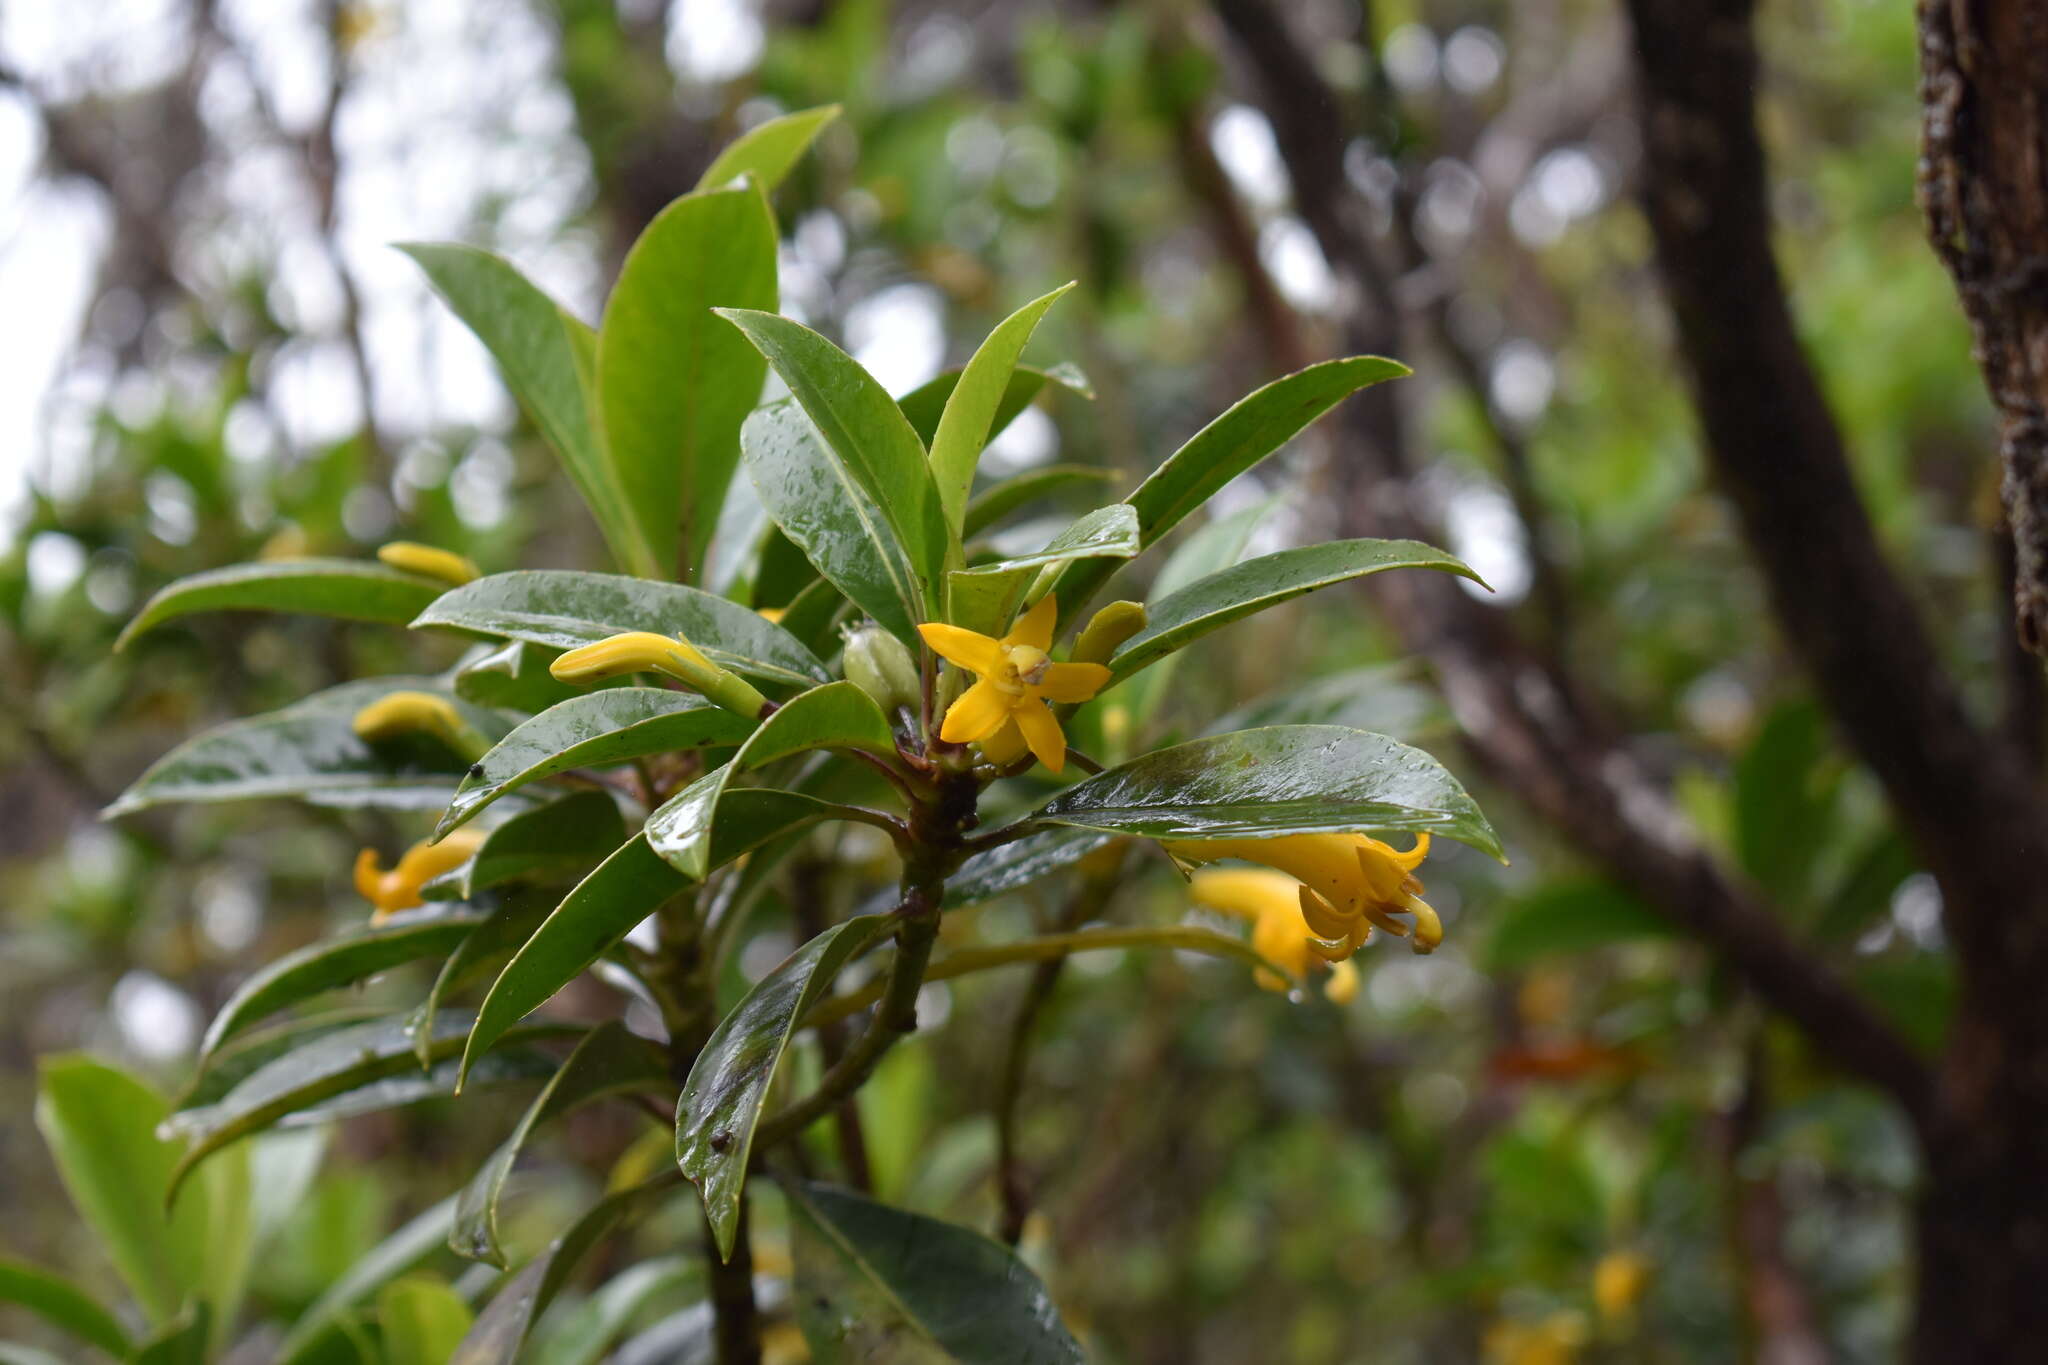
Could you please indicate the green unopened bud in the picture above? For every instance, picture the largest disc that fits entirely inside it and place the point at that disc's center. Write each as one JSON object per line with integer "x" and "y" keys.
{"x": 877, "y": 663}
{"x": 643, "y": 651}
{"x": 1107, "y": 629}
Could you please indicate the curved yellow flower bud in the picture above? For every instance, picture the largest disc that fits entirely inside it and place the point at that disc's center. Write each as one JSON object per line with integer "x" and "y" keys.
{"x": 399, "y": 888}
{"x": 429, "y": 561}
{"x": 643, "y": 651}
{"x": 1107, "y": 629}
{"x": 405, "y": 713}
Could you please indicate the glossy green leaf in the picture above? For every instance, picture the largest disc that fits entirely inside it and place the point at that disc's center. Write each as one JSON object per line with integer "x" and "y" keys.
{"x": 63, "y": 1305}
{"x": 181, "y": 1341}
{"x": 878, "y": 1283}
{"x": 769, "y": 150}
{"x": 837, "y": 716}
{"x": 421, "y": 1320}
{"x": 986, "y": 597}
{"x": 1566, "y": 920}
{"x": 513, "y": 675}
{"x": 502, "y": 1328}
{"x": 1211, "y": 548}
{"x": 309, "y": 751}
{"x": 624, "y": 889}
{"x": 582, "y": 1336}
{"x": 971, "y": 409}
{"x": 815, "y": 615}
{"x": 354, "y": 1070}
{"x": 819, "y": 505}
{"x": 864, "y": 432}
{"x": 396, "y": 1254}
{"x": 241, "y": 1056}
{"x": 1183, "y": 617}
{"x": 547, "y": 358}
{"x": 352, "y": 589}
{"x": 1010, "y": 866}
{"x": 101, "y": 1127}
{"x": 611, "y": 1060}
{"x": 998, "y": 500}
{"x": 13, "y": 1353}
{"x": 673, "y": 382}
{"x": 596, "y": 730}
{"x": 924, "y": 405}
{"x": 334, "y": 962}
{"x": 1286, "y": 779}
{"x": 487, "y": 949}
{"x": 722, "y": 1100}
{"x": 1253, "y": 428}
{"x": 562, "y": 609}
{"x": 560, "y": 841}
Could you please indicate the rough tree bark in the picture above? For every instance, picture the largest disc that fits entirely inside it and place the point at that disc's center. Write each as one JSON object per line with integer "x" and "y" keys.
{"x": 1964, "y": 796}
{"x": 1984, "y": 185}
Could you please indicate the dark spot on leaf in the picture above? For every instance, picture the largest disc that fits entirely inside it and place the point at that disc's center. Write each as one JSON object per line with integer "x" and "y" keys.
{"x": 721, "y": 1140}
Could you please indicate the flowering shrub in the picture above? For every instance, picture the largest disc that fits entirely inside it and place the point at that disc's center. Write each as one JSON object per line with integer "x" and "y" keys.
{"x": 625, "y": 763}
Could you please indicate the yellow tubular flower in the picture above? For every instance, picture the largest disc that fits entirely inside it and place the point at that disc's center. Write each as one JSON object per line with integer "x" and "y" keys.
{"x": 414, "y": 713}
{"x": 642, "y": 651}
{"x": 1018, "y": 678}
{"x": 1348, "y": 882}
{"x": 1269, "y": 901}
{"x": 429, "y": 562}
{"x": 1618, "y": 1282}
{"x": 399, "y": 889}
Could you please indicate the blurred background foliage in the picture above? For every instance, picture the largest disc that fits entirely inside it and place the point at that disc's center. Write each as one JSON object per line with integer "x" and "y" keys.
{"x": 1564, "y": 1136}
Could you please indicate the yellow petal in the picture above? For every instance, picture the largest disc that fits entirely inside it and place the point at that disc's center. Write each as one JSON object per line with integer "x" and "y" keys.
{"x": 1072, "y": 682}
{"x": 369, "y": 874}
{"x": 1042, "y": 732}
{"x": 969, "y": 649}
{"x": 1429, "y": 930}
{"x": 1005, "y": 746}
{"x": 1342, "y": 987}
{"x": 1034, "y": 627}
{"x": 1324, "y": 920}
{"x": 1249, "y": 893}
{"x": 979, "y": 713}
{"x": 636, "y": 651}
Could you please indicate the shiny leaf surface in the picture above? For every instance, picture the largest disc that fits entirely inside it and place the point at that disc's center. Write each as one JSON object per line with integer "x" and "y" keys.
{"x": 547, "y": 358}
{"x": 972, "y": 407}
{"x": 595, "y": 730}
{"x": 1182, "y": 617}
{"x": 819, "y": 505}
{"x": 1286, "y": 779}
{"x": 562, "y": 609}
{"x": 837, "y": 715}
{"x": 768, "y": 150}
{"x": 308, "y": 751}
{"x": 610, "y": 1060}
{"x": 561, "y": 840}
{"x": 673, "y": 382}
{"x": 721, "y": 1101}
{"x": 862, "y": 430}
{"x": 998, "y": 500}
{"x": 1253, "y": 428}
{"x": 354, "y": 590}
{"x": 879, "y": 1283}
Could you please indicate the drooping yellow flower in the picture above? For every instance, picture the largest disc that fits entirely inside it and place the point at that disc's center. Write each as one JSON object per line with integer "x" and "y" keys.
{"x": 399, "y": 888}
{"x": 1349, "y": 883}
{"x": 429, "y": 561}
{"x": 772, "y": 615}
{"x": 1271, "y": 901}
{"x": 1018, "y": 678}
